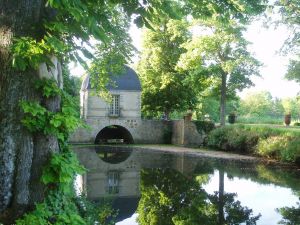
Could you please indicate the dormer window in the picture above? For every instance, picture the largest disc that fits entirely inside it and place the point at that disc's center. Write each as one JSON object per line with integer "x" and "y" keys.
{"x": 114, "y": 109}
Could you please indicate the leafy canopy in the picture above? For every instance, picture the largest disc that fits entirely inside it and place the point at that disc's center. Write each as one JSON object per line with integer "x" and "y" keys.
{"x": 289, "y": 11}
{"x": 164, "y": 88}
{"x": 221, "y": 49}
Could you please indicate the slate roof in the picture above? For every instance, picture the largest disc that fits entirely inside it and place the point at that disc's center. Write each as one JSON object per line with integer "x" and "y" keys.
{"x": 128, "y": 80}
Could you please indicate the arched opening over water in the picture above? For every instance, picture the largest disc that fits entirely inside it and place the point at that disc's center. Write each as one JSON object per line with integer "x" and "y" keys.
{"x": 114, "y": 134}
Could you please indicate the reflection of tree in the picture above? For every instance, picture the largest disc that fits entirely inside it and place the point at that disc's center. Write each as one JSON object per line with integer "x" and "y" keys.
{"x": 168, "y": 197}
{"x": 291, "y": 215}
{"x": 221, "y": 197}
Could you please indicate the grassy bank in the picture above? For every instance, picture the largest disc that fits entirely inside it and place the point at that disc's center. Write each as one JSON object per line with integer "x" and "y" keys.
{"x": 278, "y": 143}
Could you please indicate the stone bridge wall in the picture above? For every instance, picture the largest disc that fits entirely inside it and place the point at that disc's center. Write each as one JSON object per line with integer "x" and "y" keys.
{"x": 183, "y": 132}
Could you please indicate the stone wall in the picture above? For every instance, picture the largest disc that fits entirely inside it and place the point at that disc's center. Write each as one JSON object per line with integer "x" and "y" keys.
{"x": 191, "y": 134}
{"x": 178, "y": 132}
{"x": 184, "y": 132}
{"x": 144, "y": 131}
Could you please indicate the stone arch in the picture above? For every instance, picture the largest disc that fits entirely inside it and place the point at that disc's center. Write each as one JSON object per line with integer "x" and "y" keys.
{"x": 114, "y": 134}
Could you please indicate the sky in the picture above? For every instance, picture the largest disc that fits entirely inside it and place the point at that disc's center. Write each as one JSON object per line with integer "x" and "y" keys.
{"x": 258, "y": 197}
{"x": 266, "y": 43}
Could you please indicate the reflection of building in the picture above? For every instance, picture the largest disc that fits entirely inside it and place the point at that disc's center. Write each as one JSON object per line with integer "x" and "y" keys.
{"x": 121, "y": 179}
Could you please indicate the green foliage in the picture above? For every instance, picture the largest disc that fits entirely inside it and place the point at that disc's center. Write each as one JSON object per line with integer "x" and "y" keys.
{"x": 28, "y": 53}
{"x": 168, "y": 197}
{"x": 289, "y": 11}
{"x": 72, "y": 84}
{"x": 48, "y": 88}
{"x": 293, "y": 71}
{"x": 61, "y": 205}
{"x": 167, "y": 135}
{"x": 58, "y": 208}
{"x": 165, "y": 89}
{"x": 60, "y": 124}
{"x": 233, "y": 138}
{"x": 231, "y": 118}
{"x": 208, "y": 106}
{"x": 36, "y": 116}
{"x": 276, "y": 143}
{"x": 297, "y": 124}
{"x": 291, "y": 215}
{"x": 285, "y": 148}
{"x": 272, "y": 146}
{"x": 261, "y": 107}
{"x": 220, "y": 57}
{"x": 69, "y": 25}
{"x": 100, "y": 212}
{"x": 61, "y": 170}
{"x": 255, "y": 119}
{"x": 260, "y": 104}
{"x": 204, "y": 126}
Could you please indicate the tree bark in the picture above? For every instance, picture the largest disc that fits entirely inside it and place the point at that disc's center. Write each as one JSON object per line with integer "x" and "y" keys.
{"x": 22, "y": 154}
{"x": 223, "y": 99}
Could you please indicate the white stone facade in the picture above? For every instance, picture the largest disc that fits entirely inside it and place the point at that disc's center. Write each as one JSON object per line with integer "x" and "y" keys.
{"x": 94, "y": 107}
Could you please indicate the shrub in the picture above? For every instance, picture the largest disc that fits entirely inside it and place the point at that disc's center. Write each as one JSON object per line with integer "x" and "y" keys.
{"x": 231, "y": 118}
{"x": 296, "y": 124}
{"x": 206, "y": 126}
{"x": 272, "y": 146}
{"x": 292, "y": 152}
{"x": 285, "y": 148}
{"x": 233, "y": 138}
{"x": 259, "y": 120}
{"x": 217, "y": 138}
{"x": 167, "y": 135}
{"x": 276, "y": 143}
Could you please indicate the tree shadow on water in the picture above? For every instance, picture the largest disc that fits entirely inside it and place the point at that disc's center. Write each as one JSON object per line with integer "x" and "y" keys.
{"x": 168, "y": 197}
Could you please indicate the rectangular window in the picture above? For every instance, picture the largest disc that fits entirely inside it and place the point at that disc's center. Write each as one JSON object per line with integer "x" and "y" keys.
{"x": 114, "y": 109}
{"x": 113, "y": 182}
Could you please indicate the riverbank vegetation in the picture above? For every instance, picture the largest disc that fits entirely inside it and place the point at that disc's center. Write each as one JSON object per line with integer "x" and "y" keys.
{"x": 277, "y": 143}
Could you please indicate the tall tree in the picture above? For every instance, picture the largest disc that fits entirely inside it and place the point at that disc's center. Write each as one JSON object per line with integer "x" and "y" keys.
{"x": 164, "y": 88}
{"x": 221, "y": 53}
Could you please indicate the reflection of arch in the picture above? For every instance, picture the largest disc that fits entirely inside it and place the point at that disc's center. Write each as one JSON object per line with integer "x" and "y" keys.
{"x": 114, "y": 134}
{"x": 113, "y": 155}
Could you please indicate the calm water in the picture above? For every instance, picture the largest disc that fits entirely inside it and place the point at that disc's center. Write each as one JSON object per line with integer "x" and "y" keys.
{"x": 168, "y": 188}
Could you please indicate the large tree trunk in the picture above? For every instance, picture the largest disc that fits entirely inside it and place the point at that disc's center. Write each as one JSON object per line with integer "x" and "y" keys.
{"x": 223, "y": 99}
{"x": 22, "y": 154}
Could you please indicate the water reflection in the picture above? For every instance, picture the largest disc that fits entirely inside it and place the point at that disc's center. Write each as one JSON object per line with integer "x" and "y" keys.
{"x": 112, "y": 154}
{"x": 169, "y": 197}
{"x": 290, "y": 215}
{"x": 164, "y": 188}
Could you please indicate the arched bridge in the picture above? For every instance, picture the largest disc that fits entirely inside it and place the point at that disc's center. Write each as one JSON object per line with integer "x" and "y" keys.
{"x": 102, "y": 130}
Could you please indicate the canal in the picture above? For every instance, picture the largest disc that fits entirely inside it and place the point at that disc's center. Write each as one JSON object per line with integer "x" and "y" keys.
{"x": 148, "y": 186}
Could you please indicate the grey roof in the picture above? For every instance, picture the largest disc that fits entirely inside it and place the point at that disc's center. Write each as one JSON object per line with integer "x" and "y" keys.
{"x": 128, "y": 80}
